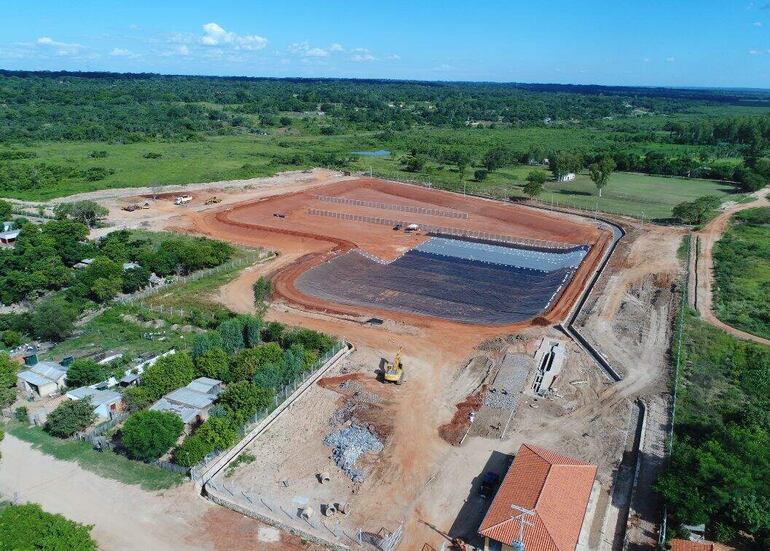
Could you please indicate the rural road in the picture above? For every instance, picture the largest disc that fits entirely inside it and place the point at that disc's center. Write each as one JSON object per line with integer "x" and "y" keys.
{"x": 706, "y": 238}
{"x": 127, "y": 517}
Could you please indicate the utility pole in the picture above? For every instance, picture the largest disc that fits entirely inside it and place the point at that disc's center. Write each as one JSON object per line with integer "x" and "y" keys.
{"x": 518, "y": 545}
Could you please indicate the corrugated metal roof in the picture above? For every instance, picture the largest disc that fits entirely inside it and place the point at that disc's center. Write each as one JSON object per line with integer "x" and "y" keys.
{"x": 34, "y": 379}
{"x": 189, "y": 397}
{"x": 556, "y": 487}
{"x": 98, "y": 397}
{"x": 187, "y": 414}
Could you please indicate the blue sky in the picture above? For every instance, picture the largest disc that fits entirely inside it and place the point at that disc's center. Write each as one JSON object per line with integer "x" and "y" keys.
{"x": 653, "y": 42}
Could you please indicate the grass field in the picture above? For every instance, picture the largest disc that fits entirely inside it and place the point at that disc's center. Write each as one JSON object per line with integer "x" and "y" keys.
{"x": 247, "y": 156}
{"x": 105, "y": 464}
{"x": 742, "y": 271}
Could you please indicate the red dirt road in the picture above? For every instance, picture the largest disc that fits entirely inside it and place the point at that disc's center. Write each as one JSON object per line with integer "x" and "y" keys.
{"x": 707, "y": 237}
{"x": 309, "y": 240}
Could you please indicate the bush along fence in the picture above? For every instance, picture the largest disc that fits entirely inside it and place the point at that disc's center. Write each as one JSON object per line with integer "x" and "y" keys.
{"x": 251, "y": 258}
{"x": 95, "y": 435}
{"x": 281, "y": 395}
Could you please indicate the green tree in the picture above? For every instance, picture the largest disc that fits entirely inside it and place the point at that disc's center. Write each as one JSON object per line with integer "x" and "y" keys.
{"x": 231, "y": 332}
{"x": 480, "y": 175}
{"x": 247, "y": 362}
{"x": 413, "y": 162}
{"x": 11, "y": 338}
{"x": 262, "y": 288}
{"x": 138, "y": 398}
{"x": 600, "y": 172}
{"x": 168, "y": 373}
{"x": 6, "y": 211}
{"x": 216, "y": 433}
{"x": 70, "y": 417}
{"x": 535, "y": 183}
{"x": 202, "y": 342}
{"x": 27, "y": 527}
{"x": 697, "y": 211}
{"x": 252, "y": 330}
{"x": 54, "y": 319}
{"x": 85, "y": 212}
{"x": 135, "y": 279}
{"x": 243, "y": 399}
{"x": 496, "y": 158}
{"x": 84, "y": 372}
{"x": 149, "y": 434}
{"x": 8, "y": 371}
{"x": 562, "y": 163}
{"x": 214, "y": 363}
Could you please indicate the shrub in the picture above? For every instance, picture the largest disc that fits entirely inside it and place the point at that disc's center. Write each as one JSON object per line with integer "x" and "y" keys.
{"x": 11, "y": 338}
{"x": 21, "y": 414}
{"x": 54, "y": 319}
{"x": 84, "y": 372}
{"x": 309, "y": 339}
{"x": 167, "y": 374}
{"x": 243, "y": 399}
{"x": 252, "y": 331}
{"x": 70, "y": 417}
{"x": 231, "y": 332}
{"x": 214, "y": 363}
{"x": 6, "y": 211}
{"x": 273, "y": 331}
{"x": 246, "y": 363}
{"x": 203, "y": 342}
{"x": 149, "y": 434}
{"x": 216, "y": 433}
{"x": 29, "y": 527}
{"x": 137, "y": 398}
{"x": 8, "y": 370}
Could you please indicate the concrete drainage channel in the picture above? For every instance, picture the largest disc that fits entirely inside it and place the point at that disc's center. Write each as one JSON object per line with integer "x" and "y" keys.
{"x": 570, "y": 330}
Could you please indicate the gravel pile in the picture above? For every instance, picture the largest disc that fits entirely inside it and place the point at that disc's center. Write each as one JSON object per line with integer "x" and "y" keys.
{"x": 348, "y": 445}
{"x": 505, "y": 392}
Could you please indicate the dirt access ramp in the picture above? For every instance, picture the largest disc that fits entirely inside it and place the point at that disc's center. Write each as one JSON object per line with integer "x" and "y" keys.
{"x": 284, "y": 223}
{"x": 702, "y": 264}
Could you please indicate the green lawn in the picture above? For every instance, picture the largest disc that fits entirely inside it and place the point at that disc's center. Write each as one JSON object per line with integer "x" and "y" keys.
{"x": 742, "y": 272}
{"x": 105, "y": 464}
{"x": 236, "y": 157}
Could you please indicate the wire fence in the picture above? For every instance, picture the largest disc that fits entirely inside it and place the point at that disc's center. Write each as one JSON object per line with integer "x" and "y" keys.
{"x": 677, "y": 363}
{"x": 387, "y": 206}
{"x": 443, "y": 231}
{"x": 281, "y": 395}
{"x": 252, "y": 257}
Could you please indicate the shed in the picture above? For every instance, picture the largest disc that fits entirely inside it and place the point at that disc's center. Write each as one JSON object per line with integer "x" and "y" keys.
{"x": 42, "y": 379}
{"x": 105, "y": 402}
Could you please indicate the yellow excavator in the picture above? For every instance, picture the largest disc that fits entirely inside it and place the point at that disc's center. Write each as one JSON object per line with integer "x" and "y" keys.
{"x": 394, "y": 372}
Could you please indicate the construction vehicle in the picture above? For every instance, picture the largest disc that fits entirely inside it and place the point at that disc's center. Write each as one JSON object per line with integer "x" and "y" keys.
{"x": 131, "y": 208}
{"x": 394, "y": 372}
{"x": 183, "y": 199}
{"x": 146, "y": 205}
{"x": 213, "y": 200}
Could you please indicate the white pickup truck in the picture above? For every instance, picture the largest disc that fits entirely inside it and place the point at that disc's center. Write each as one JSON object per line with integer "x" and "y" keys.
{"x": 183, "y": 199}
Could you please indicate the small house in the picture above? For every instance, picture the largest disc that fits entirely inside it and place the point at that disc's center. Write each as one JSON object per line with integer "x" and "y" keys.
{"x": 105, "y": 402}
{"x": 41, "y": 379}
{"x": 191, "y": 402}
{"x": 542, "y": 500}
{"x": 9, "y": 237}
{"x": 568, "y": 177}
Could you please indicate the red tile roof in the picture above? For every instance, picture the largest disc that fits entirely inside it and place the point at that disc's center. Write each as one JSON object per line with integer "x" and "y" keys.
{"x": 687, "y": 545}
{"x": 556, "y": 487}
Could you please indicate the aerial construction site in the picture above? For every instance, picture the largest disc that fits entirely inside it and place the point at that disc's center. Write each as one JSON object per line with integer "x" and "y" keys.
{"x": 501, "y": 324}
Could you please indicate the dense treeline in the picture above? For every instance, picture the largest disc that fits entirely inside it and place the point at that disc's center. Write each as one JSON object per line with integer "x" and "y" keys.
{"x": 720, "y": 466}
{"x": 129, "y": 108}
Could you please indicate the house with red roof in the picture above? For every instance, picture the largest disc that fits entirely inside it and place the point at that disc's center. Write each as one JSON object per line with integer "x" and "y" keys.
{"x": 554, "y": 490}
{"x": 702, "y": 545}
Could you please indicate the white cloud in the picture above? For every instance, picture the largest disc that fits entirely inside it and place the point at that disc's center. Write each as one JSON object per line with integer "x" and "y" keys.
{"x": 316, "y": 52}
{"x": 646, "y": 60}
{"x": 670, "y": 59}
{"x": 363, "y": 57}
{"x": 304, "y": 49}
{"x": 215, "y": 35}
{"x": 122, "y": 52}
{"x": 60, "y": 48}
{"x": 758, "y": 23}
{"x": 394, "y": 57}
{"x": 183, "y": 50}
{"x": 754, "y": 52}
